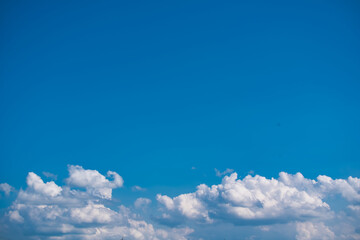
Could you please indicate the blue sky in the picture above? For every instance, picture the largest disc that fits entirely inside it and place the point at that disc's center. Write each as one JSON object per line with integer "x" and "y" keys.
{"x": 164, "y": 92}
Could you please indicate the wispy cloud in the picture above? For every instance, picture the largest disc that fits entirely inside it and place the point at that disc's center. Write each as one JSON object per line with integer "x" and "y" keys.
{"x": 142, "y": 202}
{"x": 220, "y": 174}
{"x": 6, "y": 188}
{"x": 137, "y": 189}
{"x": 50, "y": 175}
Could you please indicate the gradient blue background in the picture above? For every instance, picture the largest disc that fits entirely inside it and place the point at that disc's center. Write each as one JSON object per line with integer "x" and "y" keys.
{"x": 150, "y": 89}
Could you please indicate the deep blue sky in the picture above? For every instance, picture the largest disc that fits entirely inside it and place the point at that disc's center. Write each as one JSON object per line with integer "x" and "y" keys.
{"x": 151, "y": 89}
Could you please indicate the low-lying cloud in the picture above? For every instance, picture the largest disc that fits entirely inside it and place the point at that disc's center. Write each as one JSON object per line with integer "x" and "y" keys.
{"x": 48, "y": 211}
{"x": 253, "y": 207}
{"x": 258, "y": 199}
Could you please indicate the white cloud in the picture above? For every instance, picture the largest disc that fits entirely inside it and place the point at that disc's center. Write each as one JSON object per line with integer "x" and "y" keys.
{"x": 50, "y": 175}
{"x": 92, "y": 213}
{"x": 142, "y": 202}
{"x": 95, "y": 183}
{"x": 251, "y": 199}
{"x": 187, "y": 205}
{"x": 355, "y": 209}
{"x": 259, "y": 201}
{"x": 15, "y": 216}
{"x": 6, "y": 188}
{"x": 138, "y": 189}
{"x": 313, "y": 231}
{"x": 348, "y": 188}
{"x": 288, "y": 207}
{"x": 47, "y": 211}
{"x": 220, "y": 174}
{"x": 139, "y": 230}
{"x": 37, "y": 184}
{"x": 167, "y": 201}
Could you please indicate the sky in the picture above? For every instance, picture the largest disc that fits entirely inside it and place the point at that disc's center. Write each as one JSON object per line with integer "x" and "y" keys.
{"x": 208, "y": 114}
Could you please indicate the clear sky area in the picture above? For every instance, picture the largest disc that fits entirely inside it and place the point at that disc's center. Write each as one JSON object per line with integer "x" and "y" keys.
{"x": 168, "y": 95}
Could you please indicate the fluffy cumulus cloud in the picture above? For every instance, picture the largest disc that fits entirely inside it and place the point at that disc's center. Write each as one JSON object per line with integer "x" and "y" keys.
{"x": 259, "y": 201}
{"x": 45, "y": 210}
{"x": 252, "y": 199}
{"x": 254, "y": 207}
{"x": 49, "y": 189}
{"x": 94, "y": 182}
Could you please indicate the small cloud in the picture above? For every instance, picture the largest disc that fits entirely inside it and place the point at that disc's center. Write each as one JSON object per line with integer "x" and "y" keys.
{"x": 251, "y": 172}
{"x": 6, "y": 188}
{"x": 252, "y": 237}
{"x": 138, "y": 189}
{"x": 142, "y": 202}
{"x": 50, "y": 175}
{"x": 193, "y": 168}
{"x": 219, "y": 174}
{"x": 265, "y": 228}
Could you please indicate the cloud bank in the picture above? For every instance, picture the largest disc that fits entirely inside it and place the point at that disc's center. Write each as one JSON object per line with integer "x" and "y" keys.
{"x": 48, "y": 211}
{"x": 258, "y": 201}
{"x": 254, "y": 207}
